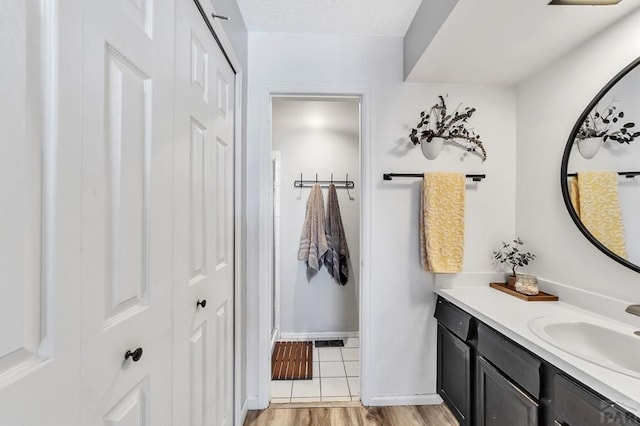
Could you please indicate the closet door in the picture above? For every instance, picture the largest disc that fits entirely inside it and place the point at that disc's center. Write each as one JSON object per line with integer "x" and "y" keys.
{"x": 203, "y": 225}
{"x": 126, "y": 212}
{"x": 39, "y": 218}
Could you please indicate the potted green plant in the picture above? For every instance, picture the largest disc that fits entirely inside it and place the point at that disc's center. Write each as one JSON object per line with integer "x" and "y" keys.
{"x": 438, "y": 125}
{"x": 511, "y": 255}
{"x": 600, "y": 126}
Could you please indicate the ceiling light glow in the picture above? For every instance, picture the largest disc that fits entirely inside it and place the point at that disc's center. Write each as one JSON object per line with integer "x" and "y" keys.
{"x": 316, "y": 121}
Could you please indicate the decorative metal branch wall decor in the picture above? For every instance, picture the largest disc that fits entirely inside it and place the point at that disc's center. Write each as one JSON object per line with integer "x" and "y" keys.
{"x": 600, "y": 126}
{"x": 438, "y": 125}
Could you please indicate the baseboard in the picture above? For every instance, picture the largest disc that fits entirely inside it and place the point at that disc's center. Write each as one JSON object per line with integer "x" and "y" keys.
{"x": 426, "y": 399}
{"x": 244, "y": 410}
{"x": 251, "y": 402}
{"x": 319, "y": 335}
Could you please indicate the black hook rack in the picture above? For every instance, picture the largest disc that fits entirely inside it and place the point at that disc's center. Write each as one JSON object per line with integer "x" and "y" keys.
{"x": 390, "y": 176}
{"x": 346, "y": 183}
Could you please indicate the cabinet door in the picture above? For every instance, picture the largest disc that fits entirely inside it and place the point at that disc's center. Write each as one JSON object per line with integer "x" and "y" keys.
{"x": 501, "y": 403}
{"x": 454, "y": 374}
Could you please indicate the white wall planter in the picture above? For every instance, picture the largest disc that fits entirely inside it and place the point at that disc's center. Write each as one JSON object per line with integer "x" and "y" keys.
{"x": 432, "y": 149}
{"x": 589, "y": 147}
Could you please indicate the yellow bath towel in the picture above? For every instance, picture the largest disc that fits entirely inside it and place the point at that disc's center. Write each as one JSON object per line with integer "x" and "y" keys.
{"x": 442, "y": 222}
{"x": 573, "y": 194}
{"x": 599, "y": 209}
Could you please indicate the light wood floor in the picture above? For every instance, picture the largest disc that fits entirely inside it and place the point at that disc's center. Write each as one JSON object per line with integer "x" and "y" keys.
{"x": 357, "y": 415}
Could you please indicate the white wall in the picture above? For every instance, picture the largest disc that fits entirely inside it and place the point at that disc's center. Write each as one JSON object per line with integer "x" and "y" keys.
{"x": 402, "y": 327}
{"x": 319, "y": 304}
{"x": 548, "y": 105}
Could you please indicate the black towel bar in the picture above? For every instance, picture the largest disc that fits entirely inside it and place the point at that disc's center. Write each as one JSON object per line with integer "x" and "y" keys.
{"x": 628, "y": 175}
{"x": 390, "y": 176}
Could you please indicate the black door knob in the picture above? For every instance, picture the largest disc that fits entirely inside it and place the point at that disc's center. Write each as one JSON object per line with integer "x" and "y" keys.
{"x": 201, "y": 303}
{"x": 135, "y": 355}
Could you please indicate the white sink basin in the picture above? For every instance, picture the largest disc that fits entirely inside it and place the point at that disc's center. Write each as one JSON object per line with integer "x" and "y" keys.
{"x": 611, "y": 346}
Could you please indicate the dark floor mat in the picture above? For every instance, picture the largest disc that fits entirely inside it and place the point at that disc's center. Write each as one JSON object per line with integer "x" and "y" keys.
{"x": 329, "y": 343}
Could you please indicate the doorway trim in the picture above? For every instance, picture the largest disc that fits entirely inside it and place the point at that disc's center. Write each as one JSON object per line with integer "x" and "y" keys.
{"x": 277, "y": 185}
{"x": 266, "y": 94}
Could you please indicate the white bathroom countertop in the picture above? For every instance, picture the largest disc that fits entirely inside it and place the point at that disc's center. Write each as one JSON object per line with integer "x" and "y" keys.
{"x": 510, "y": 316}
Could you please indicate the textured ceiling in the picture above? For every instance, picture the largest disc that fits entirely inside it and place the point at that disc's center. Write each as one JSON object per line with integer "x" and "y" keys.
{"x": 505, "y": 41}
{"x": 354, "y": 17}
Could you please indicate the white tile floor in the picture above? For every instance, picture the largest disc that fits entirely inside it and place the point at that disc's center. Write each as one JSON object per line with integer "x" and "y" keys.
{"x": 336, "y": 377}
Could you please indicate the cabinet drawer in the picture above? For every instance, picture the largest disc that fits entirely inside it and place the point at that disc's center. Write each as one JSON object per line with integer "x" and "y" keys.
{"x": 453, "y": 318}
{"x": 575, "y": 405}
{"x": 520, "y": 366}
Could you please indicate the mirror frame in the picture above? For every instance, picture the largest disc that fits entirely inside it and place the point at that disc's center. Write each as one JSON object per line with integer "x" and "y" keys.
{"x": 565, "y": 165}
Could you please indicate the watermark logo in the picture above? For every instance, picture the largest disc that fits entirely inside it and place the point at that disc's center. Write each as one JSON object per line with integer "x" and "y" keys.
{"x": 612, "y": 415}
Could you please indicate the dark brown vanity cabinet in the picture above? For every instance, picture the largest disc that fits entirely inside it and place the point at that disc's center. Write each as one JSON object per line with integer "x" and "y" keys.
{"x": 486, "y": 379}
{"x": 455, "y": 360}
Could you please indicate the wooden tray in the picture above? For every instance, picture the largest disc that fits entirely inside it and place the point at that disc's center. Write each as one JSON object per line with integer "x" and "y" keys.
{"x": 540, "y": 297}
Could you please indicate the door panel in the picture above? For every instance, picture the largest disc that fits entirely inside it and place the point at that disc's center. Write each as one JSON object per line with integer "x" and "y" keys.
{"x": 132, "y": 409}
{"x": 198, "y": 377}
{"x": 197, "y": 207}
{"x": 40, "y": 206}
{"x": 223, "y": 366}
{"x": 126, "y": 184}
{"x": 203, "y": 225}
{"x": 126, "y": 212}
{"x": 222, "y": 204}
{"x": 22, "y": 308}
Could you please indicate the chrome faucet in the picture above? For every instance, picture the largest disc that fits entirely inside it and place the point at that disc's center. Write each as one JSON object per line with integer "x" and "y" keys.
{"x": 633, "y": 310}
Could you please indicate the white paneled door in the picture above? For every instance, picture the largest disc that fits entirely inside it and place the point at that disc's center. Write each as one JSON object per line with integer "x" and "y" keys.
{"x": 39, "y": 211}
{"x": 126, "y": 212}
{"x": 203, "y": 225}
{"x": 117, "y": 215}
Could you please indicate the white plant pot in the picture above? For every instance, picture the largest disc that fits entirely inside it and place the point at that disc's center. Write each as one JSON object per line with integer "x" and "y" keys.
{"x": 589, "y": 147}
{"x": 432, "y": 149}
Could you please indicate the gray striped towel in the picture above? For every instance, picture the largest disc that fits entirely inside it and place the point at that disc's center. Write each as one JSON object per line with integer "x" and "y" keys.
{"x": 337, "y": 258}
{"x": 313, "y": 241}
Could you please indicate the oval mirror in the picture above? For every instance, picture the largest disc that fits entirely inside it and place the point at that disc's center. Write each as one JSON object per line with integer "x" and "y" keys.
{"x": 600, "y": 172}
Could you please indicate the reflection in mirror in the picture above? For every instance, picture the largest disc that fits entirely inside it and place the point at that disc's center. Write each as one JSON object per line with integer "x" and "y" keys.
{"x": 601, "y": 169}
